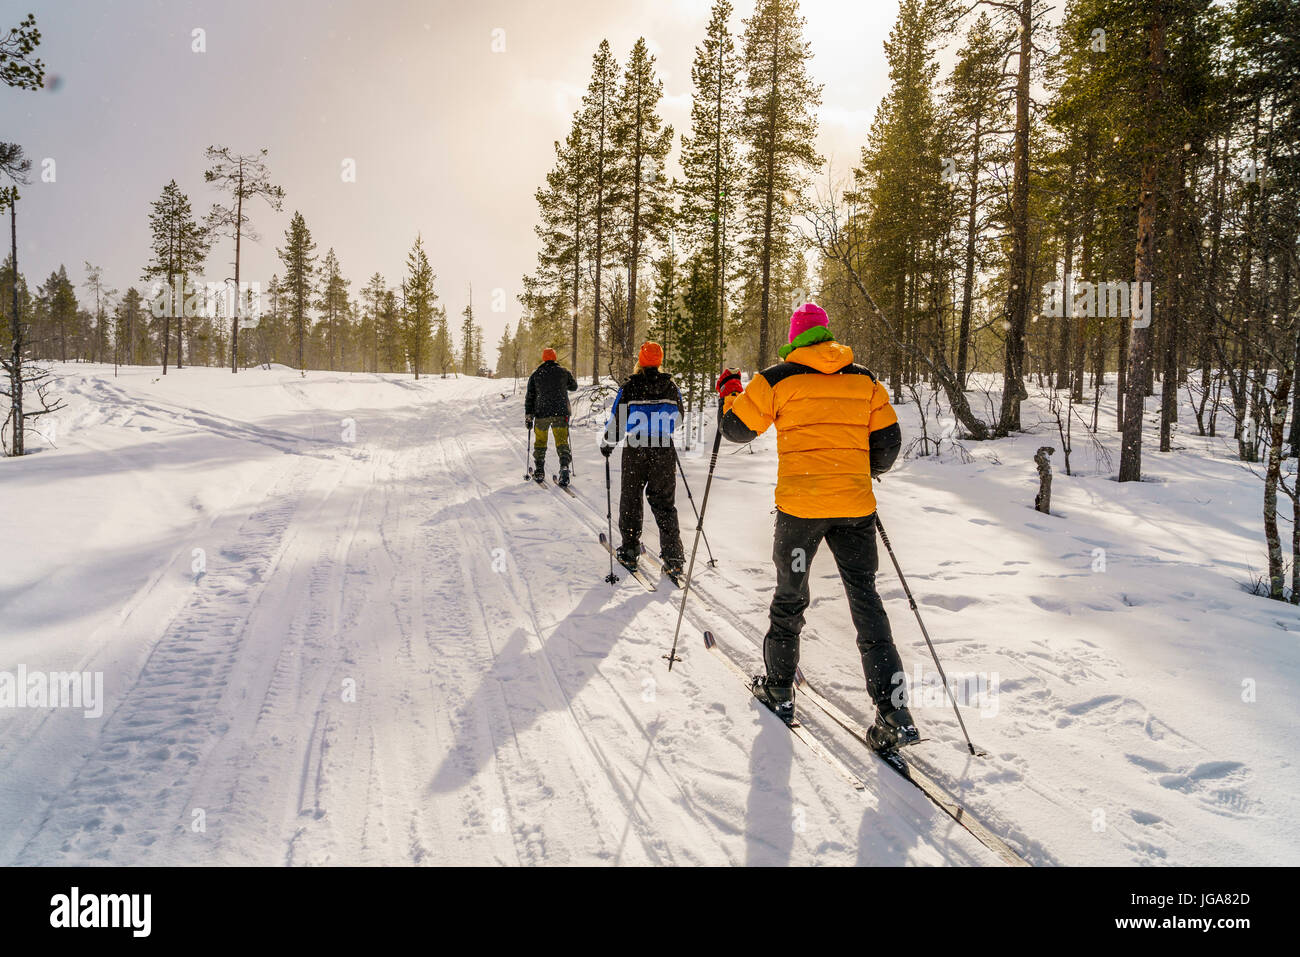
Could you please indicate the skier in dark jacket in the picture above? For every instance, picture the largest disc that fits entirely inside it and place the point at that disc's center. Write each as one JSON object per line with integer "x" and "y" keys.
{"x": 835, "y": 431}
{"x": 646, "y": 411}
{"x": 546, "y": 408}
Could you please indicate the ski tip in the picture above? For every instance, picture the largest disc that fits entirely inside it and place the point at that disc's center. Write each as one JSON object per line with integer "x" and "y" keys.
{"x": 709, "y": 640}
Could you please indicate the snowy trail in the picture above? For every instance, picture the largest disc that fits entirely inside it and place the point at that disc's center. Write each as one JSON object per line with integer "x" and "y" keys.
{"x": 398, "y": 654}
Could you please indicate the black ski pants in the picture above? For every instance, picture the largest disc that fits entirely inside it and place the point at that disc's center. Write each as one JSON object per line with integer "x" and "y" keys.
{"x": 853, "y": 543}
{"x": 652, "y": 470}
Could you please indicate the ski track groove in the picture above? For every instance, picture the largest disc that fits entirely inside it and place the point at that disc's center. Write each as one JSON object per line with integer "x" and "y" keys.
{"x": 591, "y": 764}
{"x": 702, "y": 837}
{"x": 183, "y": 675}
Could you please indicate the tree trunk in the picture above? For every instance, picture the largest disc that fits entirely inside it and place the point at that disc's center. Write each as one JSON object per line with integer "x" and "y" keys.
{"x": 16, "y": 327}
{"x": 239, "y": 230}
{"x": 1018, "y": 274}
{"x": 968, "y": 279}
{"x": 1067, "y": 313}
{"x": 1139, "y": 358}
{"x": 764, "y": 302}
{"x": 577, "y": 279}
{"x": 600, "y": 239}
{"x": 1272, "y": 475}
{"x": 719, "y": 293}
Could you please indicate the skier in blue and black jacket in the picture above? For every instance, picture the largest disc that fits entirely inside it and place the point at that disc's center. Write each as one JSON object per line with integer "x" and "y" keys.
{"x": 646, "y": 412}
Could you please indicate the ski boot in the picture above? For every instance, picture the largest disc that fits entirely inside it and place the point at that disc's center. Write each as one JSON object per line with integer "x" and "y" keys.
{"x": 892, "y": 730}
{"x": 563, "y": 479}
{"x": 627, "y": 559}
{"x": 539, "y": 474}
{"x": 779, "y": 699}
{"x": 674, "y": 570}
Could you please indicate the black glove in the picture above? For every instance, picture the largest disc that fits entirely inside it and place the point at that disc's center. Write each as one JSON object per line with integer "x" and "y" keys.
{"x": 606, "y": 449}
{"x": 528, "y": 422}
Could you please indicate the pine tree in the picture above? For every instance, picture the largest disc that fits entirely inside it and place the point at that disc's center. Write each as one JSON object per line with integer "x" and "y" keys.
{"x": 598, "y": 118}
{"x": 693, "y": 323}
{"x": 564, "y": 204}
{"x": 271, "y": 326}
{"x": 245, "y": 177}
{"x": 180, "y": 246}
{"x": 19, "y": 69}
{"x": 506, "y": 354}
{"x": 663, "y": 307}
{"x": 709, "y": 159}
{"x": 1027, "y": 19}
{"x": 469, "y": 335}
{"x": 420, "y": 306}
{"x": 392, "y": 343}
{"x": 299, "y": 258}
{"x": 94, "y": 285}
{"x": 779, "y": 125}
{"x": 642, "y": 141}
{"x": 975, "y": 109}
{"x": 442, "y": 351}
{"x": 333, "y": 306}
{"x": 373, "y": 298}
{"x": 129, "y": 325}
{"x": 61, "y": 302}
{"x": 908, "y": 209}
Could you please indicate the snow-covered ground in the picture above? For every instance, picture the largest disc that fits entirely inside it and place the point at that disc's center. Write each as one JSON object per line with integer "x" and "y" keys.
{"x": 335, "y": 626}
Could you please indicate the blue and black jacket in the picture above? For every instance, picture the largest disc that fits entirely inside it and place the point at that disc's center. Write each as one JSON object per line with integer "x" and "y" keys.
{"x": 647, "y": 411}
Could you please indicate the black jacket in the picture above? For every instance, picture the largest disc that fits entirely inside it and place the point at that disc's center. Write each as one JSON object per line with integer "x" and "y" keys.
{"x": 548, "y": 389}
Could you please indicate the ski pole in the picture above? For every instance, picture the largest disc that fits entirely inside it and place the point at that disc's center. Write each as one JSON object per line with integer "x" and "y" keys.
{"x": 699, "y": 531}
{"x": 609, "y": 524}
{"x": 978, "y": 752}
{"x": 528, "y": 466}
{"x": 712, "y": 562}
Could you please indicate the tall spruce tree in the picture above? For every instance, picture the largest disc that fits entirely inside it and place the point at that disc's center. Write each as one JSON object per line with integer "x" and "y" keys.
{"x": 710, "y": 162}
{"x": 779, "y": 126}
{"x": 299, "y": 258}
{"x": 642, "y": 142}
{"x": 976, "y": 108}
{"x": 373, "y": 298}
{"x": 599, "y": 116}
{"x": 333, "y": 307}
{"x": 420, "y": 308}
{"x": 565, "y": 207}
{"x": 179, "y": 245}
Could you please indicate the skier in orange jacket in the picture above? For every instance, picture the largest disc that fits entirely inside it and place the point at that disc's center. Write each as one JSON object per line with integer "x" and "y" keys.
{"x": 835, "y": 430}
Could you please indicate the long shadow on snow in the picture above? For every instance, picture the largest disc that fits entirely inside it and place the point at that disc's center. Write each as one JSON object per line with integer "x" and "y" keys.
{"x": 513, "y": 695}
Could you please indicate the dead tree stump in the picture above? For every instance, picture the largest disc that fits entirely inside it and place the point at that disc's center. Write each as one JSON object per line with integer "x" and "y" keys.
{"x": 1043, "y": 500}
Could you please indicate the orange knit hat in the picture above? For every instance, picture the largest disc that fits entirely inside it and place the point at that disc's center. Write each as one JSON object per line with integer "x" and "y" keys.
{"x": 651, "y": 356}
{"x": 548, "y": 355}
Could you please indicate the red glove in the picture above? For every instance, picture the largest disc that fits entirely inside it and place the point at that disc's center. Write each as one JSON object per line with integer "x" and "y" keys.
{"x": 729, "y": 383}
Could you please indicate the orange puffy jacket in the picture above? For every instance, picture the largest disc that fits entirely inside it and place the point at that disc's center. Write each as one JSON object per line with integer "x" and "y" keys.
{"x": 834, "y": 429}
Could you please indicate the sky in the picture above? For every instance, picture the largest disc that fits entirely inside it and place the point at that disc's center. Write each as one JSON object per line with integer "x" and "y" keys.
{"x": 449, "y": 137}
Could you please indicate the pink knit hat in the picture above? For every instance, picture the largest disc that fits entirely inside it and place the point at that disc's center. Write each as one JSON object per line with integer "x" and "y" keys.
{"x": 806, "y": 317}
